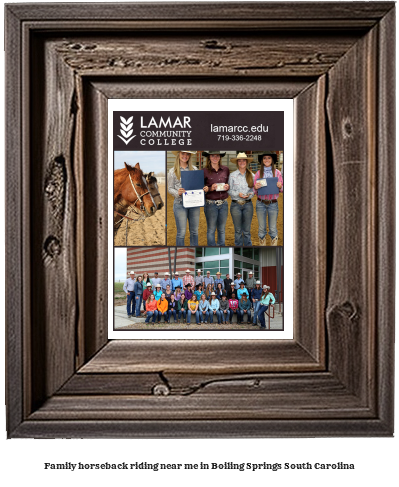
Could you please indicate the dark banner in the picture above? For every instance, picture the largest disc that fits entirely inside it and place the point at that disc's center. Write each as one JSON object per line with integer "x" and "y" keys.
{"x": 179, "y": 130}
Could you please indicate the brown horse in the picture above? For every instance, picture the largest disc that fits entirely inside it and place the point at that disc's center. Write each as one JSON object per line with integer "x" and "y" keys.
{"x": 153, "y": 187}
{"x": 131, "y": 190}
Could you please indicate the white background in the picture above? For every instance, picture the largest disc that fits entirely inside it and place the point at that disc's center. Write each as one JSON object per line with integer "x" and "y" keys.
{"x": 376, "y": 459}
{"x": 204, "y": 105}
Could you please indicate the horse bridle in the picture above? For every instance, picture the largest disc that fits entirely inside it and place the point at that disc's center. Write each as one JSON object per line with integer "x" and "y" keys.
{"x": 132, "y": 206}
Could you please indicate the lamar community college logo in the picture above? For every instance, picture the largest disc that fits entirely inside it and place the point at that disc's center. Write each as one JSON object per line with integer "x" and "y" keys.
{"x": 126, "y": 130}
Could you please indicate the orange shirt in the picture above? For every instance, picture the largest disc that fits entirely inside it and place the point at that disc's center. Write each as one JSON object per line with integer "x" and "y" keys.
{"x": 163, "y": 305}
{"x": 151, "y": 305}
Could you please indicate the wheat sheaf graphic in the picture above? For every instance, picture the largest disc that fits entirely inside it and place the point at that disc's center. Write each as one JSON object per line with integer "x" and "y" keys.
{"x": 126, "y": 129}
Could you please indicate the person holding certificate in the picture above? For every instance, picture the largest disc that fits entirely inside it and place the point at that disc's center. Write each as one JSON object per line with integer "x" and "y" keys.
{"x": 267, "y": 204}
{"x": 216, "y": 206}
{"x": 241, "y": 183}
{"x": 182, "y": 214}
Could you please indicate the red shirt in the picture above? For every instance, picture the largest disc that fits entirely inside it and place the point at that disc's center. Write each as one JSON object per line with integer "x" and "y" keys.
{"x": 147, "y": 294}
{"x": 212, "y": 177}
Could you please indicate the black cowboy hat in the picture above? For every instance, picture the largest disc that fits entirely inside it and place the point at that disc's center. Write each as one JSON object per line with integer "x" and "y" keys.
{"x": 267, "y": 153}
{"x": 188, "y": 285}
{"x": 210, "y": 152}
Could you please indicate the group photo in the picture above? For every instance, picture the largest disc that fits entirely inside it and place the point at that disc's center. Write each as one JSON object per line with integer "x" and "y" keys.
{"x": 139, "y": 198}
{"x": 185, "y": 288}
{"x": 225, "y": 198}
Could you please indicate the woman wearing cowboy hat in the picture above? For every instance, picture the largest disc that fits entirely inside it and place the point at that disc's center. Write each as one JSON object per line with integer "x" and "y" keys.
{"x": 241, "y": 190}
{"x": 183, "y": 163}
{"x": 216, "y": 207}
{"x": 266, "y": 204}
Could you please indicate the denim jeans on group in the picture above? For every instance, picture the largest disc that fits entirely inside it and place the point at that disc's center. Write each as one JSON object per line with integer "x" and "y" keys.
{"x": 256, "y": 305}
{"x": 165, "y": 315}
{"x": 242, "y": 219}
{"x": 216, "y": 217}
{"x": 154, "y": 315}
{"x": 232, "y": 314}
{"x": 181, "y": 216}
{"x": 131, "y": 303}
{"x": 242, "y": 314}
{"x": 182, "y": 312}
{"x": 267, "y": 211}
{"x": 224, "y": 316}
{"x": 139, "y": 299}
{"x": 204, "y": 316}
{"x": 261, "y": 315}
{"x": 189, "y": 313}
{"x": 212, "y": 315}
{"x": 172, "y": 312}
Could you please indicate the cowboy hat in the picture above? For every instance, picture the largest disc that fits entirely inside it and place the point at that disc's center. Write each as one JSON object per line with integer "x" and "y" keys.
{"x": 266, "y": 287}
{"x": 267, "y": 153}
{"x": 188, "y": 285}
{"x": 176, "y": 273}
{"x": 158, "y": 285}
{"x": 213, "y": 294}
{"x": 131, "y": 272}
{"x": 212, "y": 152}
{"x": 166, "y": 274}
{"x": 148, "y": 284}
{"x": 241, "y": 155}
{"x": 257, "y": 282}
{"x": 176, "y": 152}
{"x": 217, "y": 272}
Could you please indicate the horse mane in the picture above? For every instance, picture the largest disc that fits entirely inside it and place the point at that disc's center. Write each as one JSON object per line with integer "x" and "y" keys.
{"x": 150, "y": 178}
{"x": 128, "y": 168}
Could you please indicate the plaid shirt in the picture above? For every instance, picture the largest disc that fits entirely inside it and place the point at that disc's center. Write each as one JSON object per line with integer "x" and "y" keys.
{"x": 266, "y": 175}
{"x": 189, "y": 279}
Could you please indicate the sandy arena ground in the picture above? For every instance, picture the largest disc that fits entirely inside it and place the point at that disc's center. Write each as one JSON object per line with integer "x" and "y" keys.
{"x": 150, "y": 231}
{"x": 171, "y": 238}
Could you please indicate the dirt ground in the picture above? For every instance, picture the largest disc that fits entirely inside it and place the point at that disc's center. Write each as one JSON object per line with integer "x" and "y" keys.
{"x": 150, "y": 231}
{"x": 171, "y": 233}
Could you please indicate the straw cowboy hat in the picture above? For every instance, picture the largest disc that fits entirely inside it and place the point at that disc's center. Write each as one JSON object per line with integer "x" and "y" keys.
{"x": 176, "y": 152}
{"x": 212, "y": 152}
{"x": 267, "y": 153}
{"x": 213, "y": 294}
{"x": 241, "y": 155}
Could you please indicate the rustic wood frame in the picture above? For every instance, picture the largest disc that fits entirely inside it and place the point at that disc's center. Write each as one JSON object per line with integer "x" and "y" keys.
{"x": 336, "y": 377}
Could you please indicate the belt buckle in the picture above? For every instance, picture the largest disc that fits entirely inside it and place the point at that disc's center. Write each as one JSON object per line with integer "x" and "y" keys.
{"x": 242, "y": 203}
{"x": 219, "y": 202}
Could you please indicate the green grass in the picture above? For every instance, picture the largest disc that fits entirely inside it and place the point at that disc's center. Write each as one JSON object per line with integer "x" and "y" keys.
{"x": 118, "y": 287}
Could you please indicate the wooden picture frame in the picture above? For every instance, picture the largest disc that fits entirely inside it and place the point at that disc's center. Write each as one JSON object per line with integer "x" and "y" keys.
{"x": 64, "y": 379}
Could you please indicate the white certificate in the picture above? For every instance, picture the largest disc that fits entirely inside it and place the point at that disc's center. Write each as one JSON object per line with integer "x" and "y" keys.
{"x": 193, "y": 198}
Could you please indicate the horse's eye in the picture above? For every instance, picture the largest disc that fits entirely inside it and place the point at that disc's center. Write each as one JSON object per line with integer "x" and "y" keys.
{"x": 139, "y": 185}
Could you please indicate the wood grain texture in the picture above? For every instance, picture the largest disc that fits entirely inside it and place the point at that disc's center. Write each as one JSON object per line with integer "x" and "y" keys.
{"x": 310, "y": 264}
{"x": 351, "y": 302}
{"x": 338, "y": 383}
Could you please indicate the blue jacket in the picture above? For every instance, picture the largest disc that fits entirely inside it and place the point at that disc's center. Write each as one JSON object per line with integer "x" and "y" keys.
{"x": 240, "y": 292}
{"x": 203, "y": 305}
{"x": 214, "y": 305}
{"x": 138, "y": 288}
{"x": 256, "y": 293}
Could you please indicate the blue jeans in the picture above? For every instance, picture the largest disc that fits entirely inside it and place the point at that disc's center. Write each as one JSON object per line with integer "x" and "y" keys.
{"x": 256, "y": 308}
{"x": 139, "y": 299}
{"x": 182, "y": 312}
{"x": 189, "y": 313}
{"x": 131, "y": 302}
{"x": 241, "y": 313}
{"x": 261, "y": 315}
{"x": 165, "y": 316}
{"x": 181, "y": 216}
{"x": 204, "y": 317}
{"x": 172, "y": 311}
{"x": 154, "y": 315}
{"x": 262, "y": 211}
{"x": 211, "y": 316}
{"x": 232, "y": 314}
{"x": 224, "y": 316}
{"x": 242, "y": 219}
{"x": 216, "y": 217}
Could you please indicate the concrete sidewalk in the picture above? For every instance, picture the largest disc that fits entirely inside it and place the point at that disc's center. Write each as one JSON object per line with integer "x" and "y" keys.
{"x": 122, "y": 322}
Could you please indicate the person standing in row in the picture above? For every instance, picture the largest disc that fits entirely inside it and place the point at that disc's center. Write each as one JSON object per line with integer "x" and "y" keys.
{"x": 158, "y": 292}
{"x": 188, "y": 279}
{"x": 267, "y": 204}
{"x": 227, "y": 282}
{"x": 241, "y": 183}
{"x": 182, "y": 215}
{"x": 176, "y": 281}
{"x": 146, "y": 279}
{"x": 168, "y": 293}
{"x": 155, "y": 280}
{"x": 128, "y": 287}
{"x": 199, "y": 292}
{"x": 166, "y": 282}
{"x": 209, "y": 280}
{"x": 218, "y": 280}
{"x": 238, "y": 281}
{"x": 198, "y": 278}
{"x": 265, "y": 300}
{"x": 242, "y": 290}
{"x": 188, "y": 292}
{"x": 178, "y": 293}
{"x": 216, "y": 207}
{"x": 146, "y": 294}
{"x": 138, "y": 291}
{"x": 250, "y": 284}
{"x": 231, "y": 291}
{"x": 256, "y": 295}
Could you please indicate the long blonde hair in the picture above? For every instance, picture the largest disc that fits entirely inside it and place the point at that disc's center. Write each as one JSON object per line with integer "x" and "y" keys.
{"x": 176, "y": 167}
{"x": 248, "y": 175}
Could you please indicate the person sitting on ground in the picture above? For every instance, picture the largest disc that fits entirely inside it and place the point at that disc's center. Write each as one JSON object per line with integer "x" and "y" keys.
{"x": 244, "y": 306}
{"x": 203, "y": 309}
{"x": 152, "y": 309}
{"x": 163, "y": 309}
{"x": 224, "y": 309}
{"x": 233, "y": 305}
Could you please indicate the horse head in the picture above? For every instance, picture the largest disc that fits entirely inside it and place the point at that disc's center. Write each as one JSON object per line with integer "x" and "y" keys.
{"x": 153, "y": 187}
{"x": 136, "y": 192}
